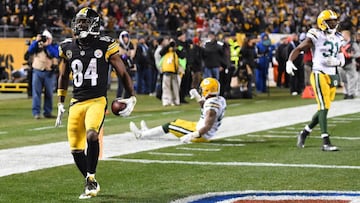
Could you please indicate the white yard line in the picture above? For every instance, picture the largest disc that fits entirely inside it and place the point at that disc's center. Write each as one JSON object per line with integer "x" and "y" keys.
{"x": 170, "y": 154}
{"x": 17, "y": 160}
{"x": 198, "y": 149}
{"x": 294, "y": 136}
{"x": 148, "y": 161}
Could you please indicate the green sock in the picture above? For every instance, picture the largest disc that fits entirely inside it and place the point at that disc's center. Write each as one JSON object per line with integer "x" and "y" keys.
{"x": 166, "y": 127}
{"x": 314, "y": 120}
{"x": 323, "y": 121}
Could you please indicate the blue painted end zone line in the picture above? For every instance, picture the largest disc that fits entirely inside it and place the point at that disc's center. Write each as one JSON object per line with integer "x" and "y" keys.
{"x": 270, "y": 195}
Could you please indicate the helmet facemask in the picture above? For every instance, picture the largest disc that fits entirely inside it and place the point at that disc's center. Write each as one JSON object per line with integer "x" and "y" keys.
{"x": 329, "y": 29}
{"x": 86, "y": 22}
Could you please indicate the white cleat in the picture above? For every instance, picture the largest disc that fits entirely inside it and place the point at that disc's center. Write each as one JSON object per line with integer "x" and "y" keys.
{"x": 143, "y": 125}
{"x": 134, "y": 129}
{"x": 329, "y": 148}
{"x": 92, "y": 188}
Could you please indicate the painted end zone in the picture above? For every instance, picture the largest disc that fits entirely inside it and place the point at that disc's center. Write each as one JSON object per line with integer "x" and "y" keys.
{"x": 275, "y": 196}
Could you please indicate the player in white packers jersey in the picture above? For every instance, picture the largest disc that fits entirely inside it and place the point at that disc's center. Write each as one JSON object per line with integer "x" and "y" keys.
{"x": 212, "y": 111}
{"x": 325, "y": 43}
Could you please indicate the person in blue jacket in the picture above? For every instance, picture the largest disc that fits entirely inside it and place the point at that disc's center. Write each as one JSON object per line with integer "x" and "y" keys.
{"x": 45, "y": 62}
{"x": 264, "y": 52}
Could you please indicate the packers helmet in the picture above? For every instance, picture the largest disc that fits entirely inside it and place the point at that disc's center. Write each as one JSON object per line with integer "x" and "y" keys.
{"x": 86, "y": 22}
{"x": 325, "y": 16}
{"x": 209, "y": 87}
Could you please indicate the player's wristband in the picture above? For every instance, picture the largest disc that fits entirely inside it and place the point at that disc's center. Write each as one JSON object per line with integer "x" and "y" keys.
{"x": 61, "y": 92}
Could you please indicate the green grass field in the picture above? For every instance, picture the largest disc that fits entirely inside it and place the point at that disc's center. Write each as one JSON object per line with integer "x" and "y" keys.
{"x": 265, "y": 160}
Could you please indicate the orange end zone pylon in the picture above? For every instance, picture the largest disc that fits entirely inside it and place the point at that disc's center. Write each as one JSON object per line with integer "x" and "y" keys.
{"x": 308, "y": 93}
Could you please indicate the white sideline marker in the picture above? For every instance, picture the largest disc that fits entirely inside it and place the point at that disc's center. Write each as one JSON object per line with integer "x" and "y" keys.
{"x": 42, "y": 128}
{"x": 170, "y": 154}
{"x": 199, "y": 149}
{"x": 170, "y": 112}
{"x": 284, "y": 136}
{"x": 347, "y": 119}
{"x": 234, "y": 140}
{"x": 282, "y": 132}
{"x": 147, "y": 161}
{"x": 339, "y": 121}
{"x": 225, "y": 144}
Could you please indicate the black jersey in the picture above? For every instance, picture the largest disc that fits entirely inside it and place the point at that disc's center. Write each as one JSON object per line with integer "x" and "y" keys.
{"x": 89, "y": 65}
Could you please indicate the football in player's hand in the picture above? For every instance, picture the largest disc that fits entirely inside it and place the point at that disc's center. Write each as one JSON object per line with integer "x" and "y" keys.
{"x": 117, "y": 106}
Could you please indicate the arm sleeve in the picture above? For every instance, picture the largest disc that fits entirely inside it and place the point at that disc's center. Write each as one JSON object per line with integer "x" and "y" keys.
{"x": 53, "y": 50}
{"x": 33, "y": 47}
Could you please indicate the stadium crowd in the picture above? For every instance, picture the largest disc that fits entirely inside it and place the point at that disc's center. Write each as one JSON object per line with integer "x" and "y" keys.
{"x": 151, "y": 17}
{"x": 152, "y": 21}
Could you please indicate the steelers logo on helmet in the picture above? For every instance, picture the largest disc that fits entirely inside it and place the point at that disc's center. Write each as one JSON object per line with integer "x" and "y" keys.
{"x": 86, "y": 22}
{"x": 327, "y": 21}
{"x": 209, "y": 87}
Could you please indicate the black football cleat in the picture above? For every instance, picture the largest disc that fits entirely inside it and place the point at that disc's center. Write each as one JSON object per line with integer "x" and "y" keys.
{"x": 301, "y": 138}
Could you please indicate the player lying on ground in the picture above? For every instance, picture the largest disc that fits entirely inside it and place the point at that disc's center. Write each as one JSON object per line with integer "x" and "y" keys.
{"x": 212, "y": 111}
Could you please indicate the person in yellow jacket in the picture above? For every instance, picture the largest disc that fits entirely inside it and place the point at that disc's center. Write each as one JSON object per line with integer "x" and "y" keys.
{"x": 234, "y": 57}
{"x": 172, "y": 71}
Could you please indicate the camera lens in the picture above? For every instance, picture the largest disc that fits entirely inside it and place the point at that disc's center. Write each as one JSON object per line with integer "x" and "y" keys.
{"x": 43, "y": 38}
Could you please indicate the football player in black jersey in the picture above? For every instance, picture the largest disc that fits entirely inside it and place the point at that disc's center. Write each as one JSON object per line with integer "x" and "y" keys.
{"x": 87, "y": 56}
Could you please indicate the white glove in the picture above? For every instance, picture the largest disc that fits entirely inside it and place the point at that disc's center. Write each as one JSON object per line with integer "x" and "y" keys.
{"x": 188, "y": 137}
{"x": 332, "y": 62}
{"x": 194, "y": 94}
{"x": 290, "y": 67}
{"x": 130, "y": 104}
{"x": 61, "y": 111}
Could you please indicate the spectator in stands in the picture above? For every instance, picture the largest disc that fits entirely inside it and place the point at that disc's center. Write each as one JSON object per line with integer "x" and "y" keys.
{"x": 195, "y": 62}
{"x": 248, "y": 65}
{"x": 213, "y": 57}
{"x": 307, "y": 61}
{"x": 45, "y": 53}
{"x": 167, "y": 16}
{"x": 172, "y": 72}
{"x": 264, "y": 53}
{"x": 281, "y": 56}
{"x": 182, "y": 50}
{"x": 162, "y": 42}
{"x": 142, "y": 60}
{"x": 153, "y": 43}
{"x": 230, "y": 63}
{"x": 173, "y": 19}
{"x": 348, "y": 74}
{"x": 127, "y": 53}
{"x": 297, "y": 83}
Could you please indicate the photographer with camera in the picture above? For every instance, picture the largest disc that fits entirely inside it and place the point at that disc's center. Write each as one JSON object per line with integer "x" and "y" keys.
{"x": 172, "y": 73}
{"x": 45, "y": 55}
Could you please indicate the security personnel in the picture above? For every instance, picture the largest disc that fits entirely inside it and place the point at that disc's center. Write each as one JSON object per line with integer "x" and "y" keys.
{"x": 234, "y": 53}
{"x": 232, "y": 57}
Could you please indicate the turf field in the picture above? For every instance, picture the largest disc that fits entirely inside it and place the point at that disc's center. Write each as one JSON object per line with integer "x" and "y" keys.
{"x": 264, "y": 160}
